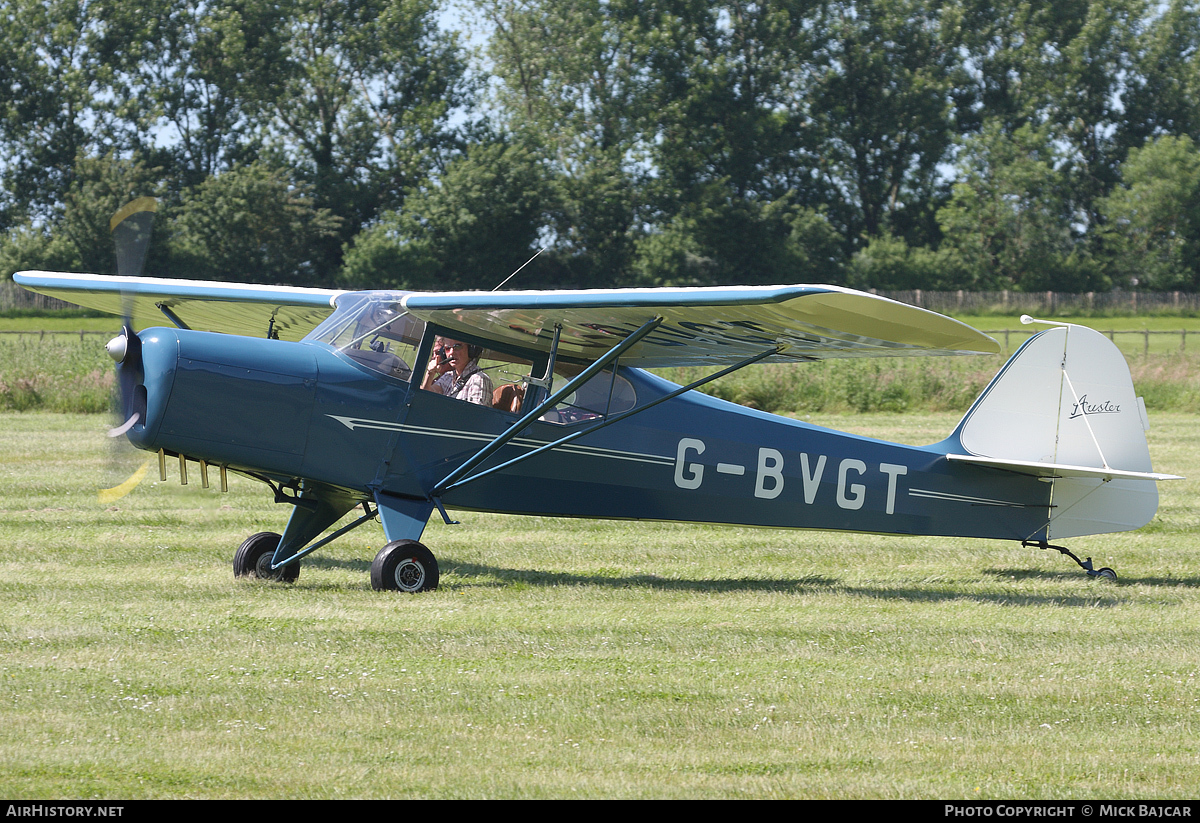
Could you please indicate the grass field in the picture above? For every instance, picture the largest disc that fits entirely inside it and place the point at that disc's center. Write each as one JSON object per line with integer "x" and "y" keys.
{"x": 583, "y": 659}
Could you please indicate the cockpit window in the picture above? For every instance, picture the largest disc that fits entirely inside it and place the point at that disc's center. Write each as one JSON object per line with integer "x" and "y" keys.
{"x": 605, "y": 394}
{"x": 375, "y": 330}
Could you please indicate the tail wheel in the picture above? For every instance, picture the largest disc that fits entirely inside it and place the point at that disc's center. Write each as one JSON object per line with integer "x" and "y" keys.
{"x": 253, "y": 559}
{"x": 404, "y": 566}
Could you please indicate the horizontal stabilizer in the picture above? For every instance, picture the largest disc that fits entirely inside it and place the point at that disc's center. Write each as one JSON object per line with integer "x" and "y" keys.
{"x": 1057, "y": 469}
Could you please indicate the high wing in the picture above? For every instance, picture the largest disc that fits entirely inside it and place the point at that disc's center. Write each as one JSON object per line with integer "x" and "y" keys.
{"x": 704, "y": 326}
{"x": 286, "y": 312}
{"x": 701, "y": 326}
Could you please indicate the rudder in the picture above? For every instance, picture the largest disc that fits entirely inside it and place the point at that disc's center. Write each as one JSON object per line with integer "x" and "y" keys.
{"x": 1064, "y": 409}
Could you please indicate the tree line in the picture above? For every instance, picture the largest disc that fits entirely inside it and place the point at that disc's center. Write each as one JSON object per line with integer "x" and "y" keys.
{"x": 890, "y": 144}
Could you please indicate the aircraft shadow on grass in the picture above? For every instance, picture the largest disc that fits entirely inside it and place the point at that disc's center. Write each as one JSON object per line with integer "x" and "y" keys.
{"x": 479, "y": 574}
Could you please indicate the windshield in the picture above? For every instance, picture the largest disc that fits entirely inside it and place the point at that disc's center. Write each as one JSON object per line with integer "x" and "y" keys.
{"x": 375, "y": 330}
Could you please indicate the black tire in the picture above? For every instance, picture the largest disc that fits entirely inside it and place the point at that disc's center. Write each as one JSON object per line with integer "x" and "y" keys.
{"x": 1106, "y": 573}
{"x": 253, "y": 559}
{"x": 404, "y": 566}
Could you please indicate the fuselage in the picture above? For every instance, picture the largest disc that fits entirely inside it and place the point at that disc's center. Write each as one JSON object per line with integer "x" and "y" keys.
{"x": 307, "y": 412}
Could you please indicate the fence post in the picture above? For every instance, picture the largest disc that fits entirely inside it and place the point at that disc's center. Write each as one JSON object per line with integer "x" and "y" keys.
{"x": 1146, "y": 350}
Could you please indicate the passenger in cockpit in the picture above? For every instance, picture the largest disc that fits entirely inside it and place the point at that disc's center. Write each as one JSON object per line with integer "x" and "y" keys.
{"x": 454, "y": 371}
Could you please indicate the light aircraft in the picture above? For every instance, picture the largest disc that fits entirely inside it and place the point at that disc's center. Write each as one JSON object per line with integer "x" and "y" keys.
{"x": 317, "y": 393}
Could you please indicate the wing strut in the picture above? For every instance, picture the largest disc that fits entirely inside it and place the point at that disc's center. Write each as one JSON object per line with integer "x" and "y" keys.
{"x": 516, "y": 428}
{"x": 749, "y": 361}
{"x": 172, "y": 316}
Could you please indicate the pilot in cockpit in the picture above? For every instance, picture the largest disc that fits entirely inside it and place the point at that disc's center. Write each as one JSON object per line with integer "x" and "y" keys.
{"x": 454, "y": 371}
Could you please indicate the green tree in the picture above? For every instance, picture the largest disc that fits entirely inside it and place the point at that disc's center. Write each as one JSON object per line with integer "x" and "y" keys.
{"x": 58, "y": 59}
{"x": 250, "y": 223}
{"x": 360, "y": 103}
{"x": 571, "y": 88}
{"x": 779, "y": 243}
{"x": 1163, "y": 89}
{"x": 733, "y": 195}
{"x": 880, "y": 99}
{"x": 1154, "y": 217}
{"x": 80, "y": 239}
{"x": 1009, "y": 219}
{"x": 1061, "y": 65}
{"x": 887, "y": 262}
{"x": 1086, "y": 110}
{"x": 470, "y": 230}
{"x": 199, "y": 68}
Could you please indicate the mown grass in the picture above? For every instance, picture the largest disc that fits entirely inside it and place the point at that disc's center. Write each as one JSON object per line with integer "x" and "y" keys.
{"x": 568, "y": 658}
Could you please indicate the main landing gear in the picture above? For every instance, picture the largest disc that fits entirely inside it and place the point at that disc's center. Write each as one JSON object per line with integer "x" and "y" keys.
{"x": 400, "y": 566}
{"x": 403, "y": 565}
{"x": 1104, "y": 573}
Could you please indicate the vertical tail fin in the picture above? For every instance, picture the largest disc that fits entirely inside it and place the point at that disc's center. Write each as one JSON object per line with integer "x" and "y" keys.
{"x": 1064, "y": 409}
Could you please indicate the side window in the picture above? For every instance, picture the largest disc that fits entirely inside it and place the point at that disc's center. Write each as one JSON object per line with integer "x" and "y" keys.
{"x": 606, "y": 393}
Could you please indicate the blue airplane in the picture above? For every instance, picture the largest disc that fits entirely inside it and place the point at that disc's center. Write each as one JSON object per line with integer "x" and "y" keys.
{"x": 344, "y": 399}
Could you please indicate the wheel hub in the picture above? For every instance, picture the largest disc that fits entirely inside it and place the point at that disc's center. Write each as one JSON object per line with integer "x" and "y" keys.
{"x": 262, "y": 567}
{"x": 410, "y": 575}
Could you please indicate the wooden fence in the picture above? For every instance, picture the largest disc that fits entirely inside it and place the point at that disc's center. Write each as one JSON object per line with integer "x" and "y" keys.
{"x": 1045, "y": 302}
{"x": 1015, "y": 337}
{"x": 13, "y": 297}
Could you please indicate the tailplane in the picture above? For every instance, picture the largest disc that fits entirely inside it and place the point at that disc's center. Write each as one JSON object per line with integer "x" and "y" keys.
{"x": 1064, "y": 409}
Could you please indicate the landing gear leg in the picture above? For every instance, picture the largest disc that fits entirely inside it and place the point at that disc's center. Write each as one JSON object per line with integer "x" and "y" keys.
{"x": 404, "y": 565}
{"x": 1104, "y": 572}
